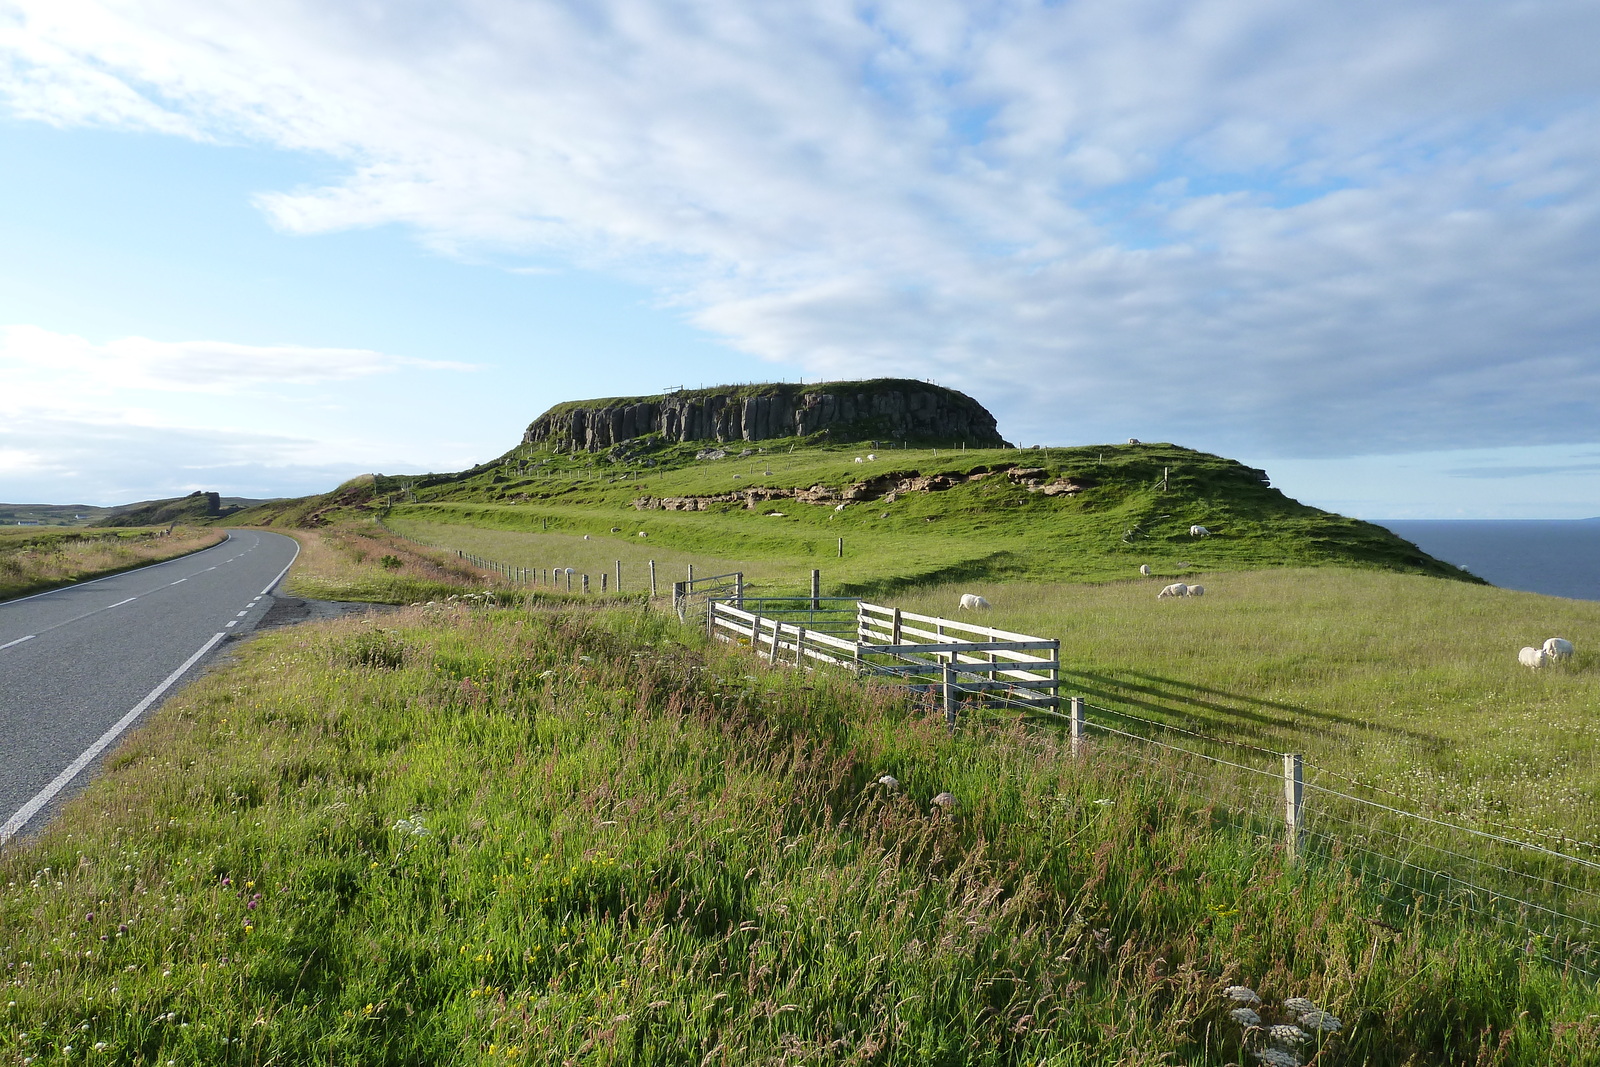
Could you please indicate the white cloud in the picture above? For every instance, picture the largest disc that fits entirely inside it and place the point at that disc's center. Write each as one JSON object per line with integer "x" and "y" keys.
{"x": 66, "y": 365}
{"x": 1346, "y": 228}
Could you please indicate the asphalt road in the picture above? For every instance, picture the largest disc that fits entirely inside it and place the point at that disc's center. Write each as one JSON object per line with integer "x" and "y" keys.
{"x": 80, "y": 665}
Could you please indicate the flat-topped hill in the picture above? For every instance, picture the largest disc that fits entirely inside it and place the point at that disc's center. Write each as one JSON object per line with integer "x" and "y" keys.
{"x": 886, "y": 409}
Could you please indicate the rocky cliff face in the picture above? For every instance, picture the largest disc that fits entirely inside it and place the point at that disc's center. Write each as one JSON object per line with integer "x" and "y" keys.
{"x": 886, "y": 409}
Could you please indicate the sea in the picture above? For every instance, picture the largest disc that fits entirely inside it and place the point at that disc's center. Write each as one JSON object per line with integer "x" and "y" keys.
{"x": 1557, "y": 557}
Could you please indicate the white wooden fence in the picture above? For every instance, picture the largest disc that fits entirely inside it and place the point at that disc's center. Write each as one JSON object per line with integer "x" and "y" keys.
{"x": 961, "y": 660}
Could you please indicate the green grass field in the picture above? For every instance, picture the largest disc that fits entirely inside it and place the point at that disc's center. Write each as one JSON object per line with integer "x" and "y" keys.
{"x": 514, "y": 836}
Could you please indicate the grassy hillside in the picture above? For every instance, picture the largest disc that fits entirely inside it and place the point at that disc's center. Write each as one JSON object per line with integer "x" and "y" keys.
{"x": 1113, "y": 508}
{"x": 518, "y": 837}
{"x": 33, "y": 559}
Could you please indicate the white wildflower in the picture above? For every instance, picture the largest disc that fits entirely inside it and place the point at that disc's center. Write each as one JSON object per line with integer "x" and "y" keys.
{"x": 1245, "y": 1017}
{"x": 1287, "y": 1034}
{"x": 412, "y": 826}
{"x": 889, "y": 782}
{"x": 1276, "y": 1057}
{"x": 1320, "y": 1020}
{"x": 1240, "y": 994}
{"x": 1298, "y": 1005}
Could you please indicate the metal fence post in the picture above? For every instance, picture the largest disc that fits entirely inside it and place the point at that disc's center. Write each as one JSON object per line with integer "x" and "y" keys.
{"x": 950, "y": 697}
{"x": 1076, "y": 719}
{"x": 1293, "y": 799}
{"x": 652, "y": 579}
{"x": 816, "y": 590}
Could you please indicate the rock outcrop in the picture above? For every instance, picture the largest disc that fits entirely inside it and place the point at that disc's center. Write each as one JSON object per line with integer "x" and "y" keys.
{"x": 891, "y": 409}
{"x": 885, "y": 487}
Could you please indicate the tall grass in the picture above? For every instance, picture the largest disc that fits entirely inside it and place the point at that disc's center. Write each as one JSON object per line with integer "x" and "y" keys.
{"x": 32, "y": 560}
{"x": 516, "y": 836}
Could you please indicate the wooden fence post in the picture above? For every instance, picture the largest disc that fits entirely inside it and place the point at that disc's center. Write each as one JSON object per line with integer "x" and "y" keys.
{"x": 894, "y": 630}
{"x": 619, "y": 576}
{"x": 585, "y": 584}
{"x": 1076, "y": 720}
{"x": 799, "y": 646}
{"x": 711, "y": 617}
{"x": 772, "y": 656}
{"x": 816, "y": 590}
{"x": 1293, "y": 799}
{"x": 841, "y": 548}
{"x": 652, "y": 579}
{"x": 738, "y": 590}
{"x": 691, "y": 574}
{"x": 603, "y": 577}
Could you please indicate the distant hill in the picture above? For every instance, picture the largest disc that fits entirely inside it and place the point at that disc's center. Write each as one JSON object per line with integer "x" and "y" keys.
{"x": 197, "y": 508}
{"x": 51, "y": 514}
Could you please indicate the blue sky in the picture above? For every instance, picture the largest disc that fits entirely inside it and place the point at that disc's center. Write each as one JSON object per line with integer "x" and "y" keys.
{"x": 260, "y": 247}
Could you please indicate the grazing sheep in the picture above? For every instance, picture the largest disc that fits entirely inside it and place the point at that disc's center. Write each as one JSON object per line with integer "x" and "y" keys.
{"x": 1197, "y": 590}
{"x": 1532, "y": 657}
{"x": 973, "y": 602}
{"x": 1199, "y": 531}
{"x": 586, "y": 537}
{"x": 643, "y": 534}
{"x": 1144, "y": 569}
{"x": 872, "y": 455}
{"x": 1133, "y": 440}
{"x": 1558, "y": 648}
{"x": 616, "y": 529}
{"x": 1175, "y": 589}
{"x": 840, "y": 507}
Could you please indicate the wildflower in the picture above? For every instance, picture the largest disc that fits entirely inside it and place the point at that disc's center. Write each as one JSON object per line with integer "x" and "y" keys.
{"x": 1245, "y": 1017}
{"x": 1103, "y": 801}
{"x": 1241, "y": 994}
{"x": 889, "y": 782}
{"x": 1298, "y": 1005}
{"x": 1287, "y": 1034}
{"x": 100, "y": 1046}
{"x": 1319, "y": 1020}
{"x": 1276, "y": 1057}
{"x": 944, "y": 800}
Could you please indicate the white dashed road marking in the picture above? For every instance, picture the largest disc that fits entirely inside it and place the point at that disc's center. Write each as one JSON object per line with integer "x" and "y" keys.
{"x": 18, "y": 641}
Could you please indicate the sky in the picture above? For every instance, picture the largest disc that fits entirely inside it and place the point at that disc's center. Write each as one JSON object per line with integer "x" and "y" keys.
{"x": 260, "y": 246}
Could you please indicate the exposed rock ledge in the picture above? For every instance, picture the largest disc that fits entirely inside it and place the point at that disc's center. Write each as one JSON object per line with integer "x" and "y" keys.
{"x": 886, "y": 487}
{"x": 886, "y": 408}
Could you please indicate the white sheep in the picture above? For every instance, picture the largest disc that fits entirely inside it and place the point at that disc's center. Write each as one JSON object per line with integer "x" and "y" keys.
{"x": 1144, "y": 569}
{"x": 859, "y": 459}
{"x": 586, "y": 537}
{"x": 1199, "y": 531}
{"x": 1558, "y": 648}
{"x": 872, "y": 455}
{"x": 973, "y": 602}
{"x": 643, "y": 534}
{"x": 1197, "y": 590}
{"x": 1175, "y": 589}
{"x": 840, "y": 507}
{"x": 1532, "y": 657}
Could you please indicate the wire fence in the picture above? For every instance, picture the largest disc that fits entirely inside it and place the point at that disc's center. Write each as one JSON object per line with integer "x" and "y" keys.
{"x": 1544, "y": 898}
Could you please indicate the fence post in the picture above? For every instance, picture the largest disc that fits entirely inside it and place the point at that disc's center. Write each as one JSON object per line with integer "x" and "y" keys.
{"x": 799, "y": 646}
{"x": 677, "y": 599}
{"x": 586, "y": 584}
{"x": 711, "y": 618}
{"x": 841, "y": 548}
{"x": 772, "y": 656}
{"x": 603, "y": 577}
{"x": 569, "y": 579}
{"x": 1293, "y": 798}
{"x": 816, "y": 590}
{"x": 950, "y": 698}
{"x": 619, "y": 576}
{"x": 755, "y": 631}
{"x": 652, "y": 579}
{"x": 894, "y": 630}
{"x": 691, "y": 574}
{"x": 1076, "y": 719}
{"x": 738, "y": 590}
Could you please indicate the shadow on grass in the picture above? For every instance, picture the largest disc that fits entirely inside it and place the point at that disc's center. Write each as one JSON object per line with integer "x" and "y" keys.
{"x": 1249, "y": 714}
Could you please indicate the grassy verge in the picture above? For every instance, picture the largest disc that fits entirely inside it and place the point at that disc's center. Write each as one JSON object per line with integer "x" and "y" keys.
{"x": 33, "y": 560}
{"x": 509, "y": 836}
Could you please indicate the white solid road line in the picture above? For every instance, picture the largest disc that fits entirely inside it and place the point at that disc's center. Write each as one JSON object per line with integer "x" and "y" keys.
{"x": 44, "y": 796}
{"x": 180, "y": 581}
{"x": 285, "y": 570}
{"x": 18, "y": 641}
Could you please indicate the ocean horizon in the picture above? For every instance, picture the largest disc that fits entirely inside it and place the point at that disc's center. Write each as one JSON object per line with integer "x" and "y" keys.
{"x": 1557, "y": 557}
